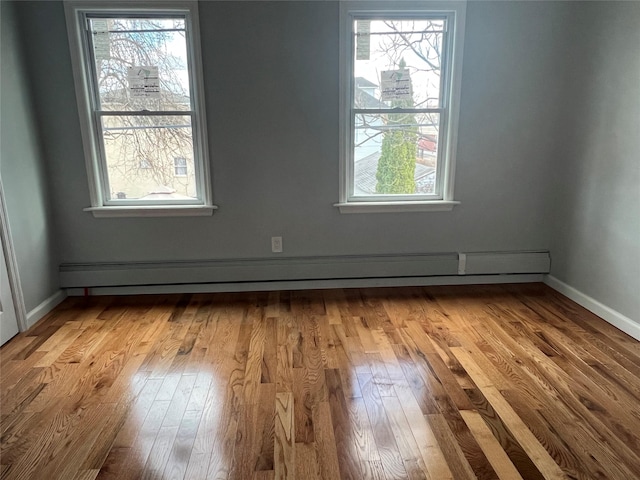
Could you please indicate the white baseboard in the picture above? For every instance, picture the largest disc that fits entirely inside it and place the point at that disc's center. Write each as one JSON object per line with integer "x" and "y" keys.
{"x": 45, "y": 307}
{"x": 307, "y": 284}
{"x": 608, "y": 314}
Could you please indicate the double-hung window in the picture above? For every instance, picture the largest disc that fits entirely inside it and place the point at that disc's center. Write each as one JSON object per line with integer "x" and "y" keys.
{"x": 139, "y": 88}
{"x": 400, "y": 84}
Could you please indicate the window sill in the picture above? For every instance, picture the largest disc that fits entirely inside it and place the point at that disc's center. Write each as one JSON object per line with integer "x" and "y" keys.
{"x": 153, "y": 211}
{"x": 389, "y": 207}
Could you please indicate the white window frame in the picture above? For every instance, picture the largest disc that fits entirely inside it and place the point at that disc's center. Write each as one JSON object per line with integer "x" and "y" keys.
{"x": 76, "y": 15}
{"x": 352, "y": 10}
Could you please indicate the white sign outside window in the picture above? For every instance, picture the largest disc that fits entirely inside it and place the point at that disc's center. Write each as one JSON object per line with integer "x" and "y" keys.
{"x": 396, "y": 85}
{"x": 143, "y": 82}
{"x": 101, "y": 46}
{"x": 363, "y": 40}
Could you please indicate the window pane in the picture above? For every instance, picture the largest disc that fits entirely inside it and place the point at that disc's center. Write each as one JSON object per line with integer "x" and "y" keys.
{"x": 141, "y": 153}
{"x": 141, "y": 63}
{"x": 383, "y": 47}
{"x": 395, "y": 154}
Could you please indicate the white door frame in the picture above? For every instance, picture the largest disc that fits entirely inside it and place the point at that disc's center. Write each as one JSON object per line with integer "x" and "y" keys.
{"x": 12, "y": 264}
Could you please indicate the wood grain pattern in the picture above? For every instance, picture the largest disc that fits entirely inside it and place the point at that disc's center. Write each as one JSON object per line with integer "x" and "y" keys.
{"x": 475, "y": 382}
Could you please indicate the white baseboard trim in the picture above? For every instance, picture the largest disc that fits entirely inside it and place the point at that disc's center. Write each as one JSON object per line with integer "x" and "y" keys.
{"x": 608, "y": 314}
{"x": 45, "y": 307}
{"x": 308, "y": 284}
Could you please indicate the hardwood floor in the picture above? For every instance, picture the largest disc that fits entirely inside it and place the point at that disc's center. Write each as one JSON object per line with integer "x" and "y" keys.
{"x": 508, "y": 382}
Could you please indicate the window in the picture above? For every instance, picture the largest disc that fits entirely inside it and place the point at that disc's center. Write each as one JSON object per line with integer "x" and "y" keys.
{"x": 139, "y": 90}
{"x": 400, "y": 86}
{"x": 180, "y": 166}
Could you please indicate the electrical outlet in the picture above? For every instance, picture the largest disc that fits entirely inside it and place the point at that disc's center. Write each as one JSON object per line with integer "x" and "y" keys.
{"x": 276, "y": 244}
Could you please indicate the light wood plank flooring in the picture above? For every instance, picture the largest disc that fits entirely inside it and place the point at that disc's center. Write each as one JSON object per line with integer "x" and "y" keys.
{"x": 509, "y": 382}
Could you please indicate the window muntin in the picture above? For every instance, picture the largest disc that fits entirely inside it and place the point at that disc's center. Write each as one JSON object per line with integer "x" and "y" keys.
{"x": 142, "y": 97}
{"x": 398, "y": 136}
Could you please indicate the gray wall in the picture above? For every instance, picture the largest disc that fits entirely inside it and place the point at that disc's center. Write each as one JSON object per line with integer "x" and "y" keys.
{"x": 23, "y": 173}
{"x": 596, "y": 241}
{"x": 271, "y": 78}
{"x": 539, "y": 165}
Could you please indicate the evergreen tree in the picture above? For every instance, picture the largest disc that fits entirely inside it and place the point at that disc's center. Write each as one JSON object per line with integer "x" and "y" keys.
{"x": 397, "y": 163}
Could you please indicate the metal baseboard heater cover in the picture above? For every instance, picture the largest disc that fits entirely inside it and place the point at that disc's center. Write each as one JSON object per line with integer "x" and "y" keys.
{"x": 102, "y": 274}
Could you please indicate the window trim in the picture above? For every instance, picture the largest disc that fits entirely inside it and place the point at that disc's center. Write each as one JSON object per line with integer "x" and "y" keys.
{"x": 75, "y": 11}
{"x": 350, "y": 10}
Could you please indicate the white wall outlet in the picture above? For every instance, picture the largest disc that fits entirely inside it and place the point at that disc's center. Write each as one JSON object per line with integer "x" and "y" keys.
{"x": 276, "y": 244}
